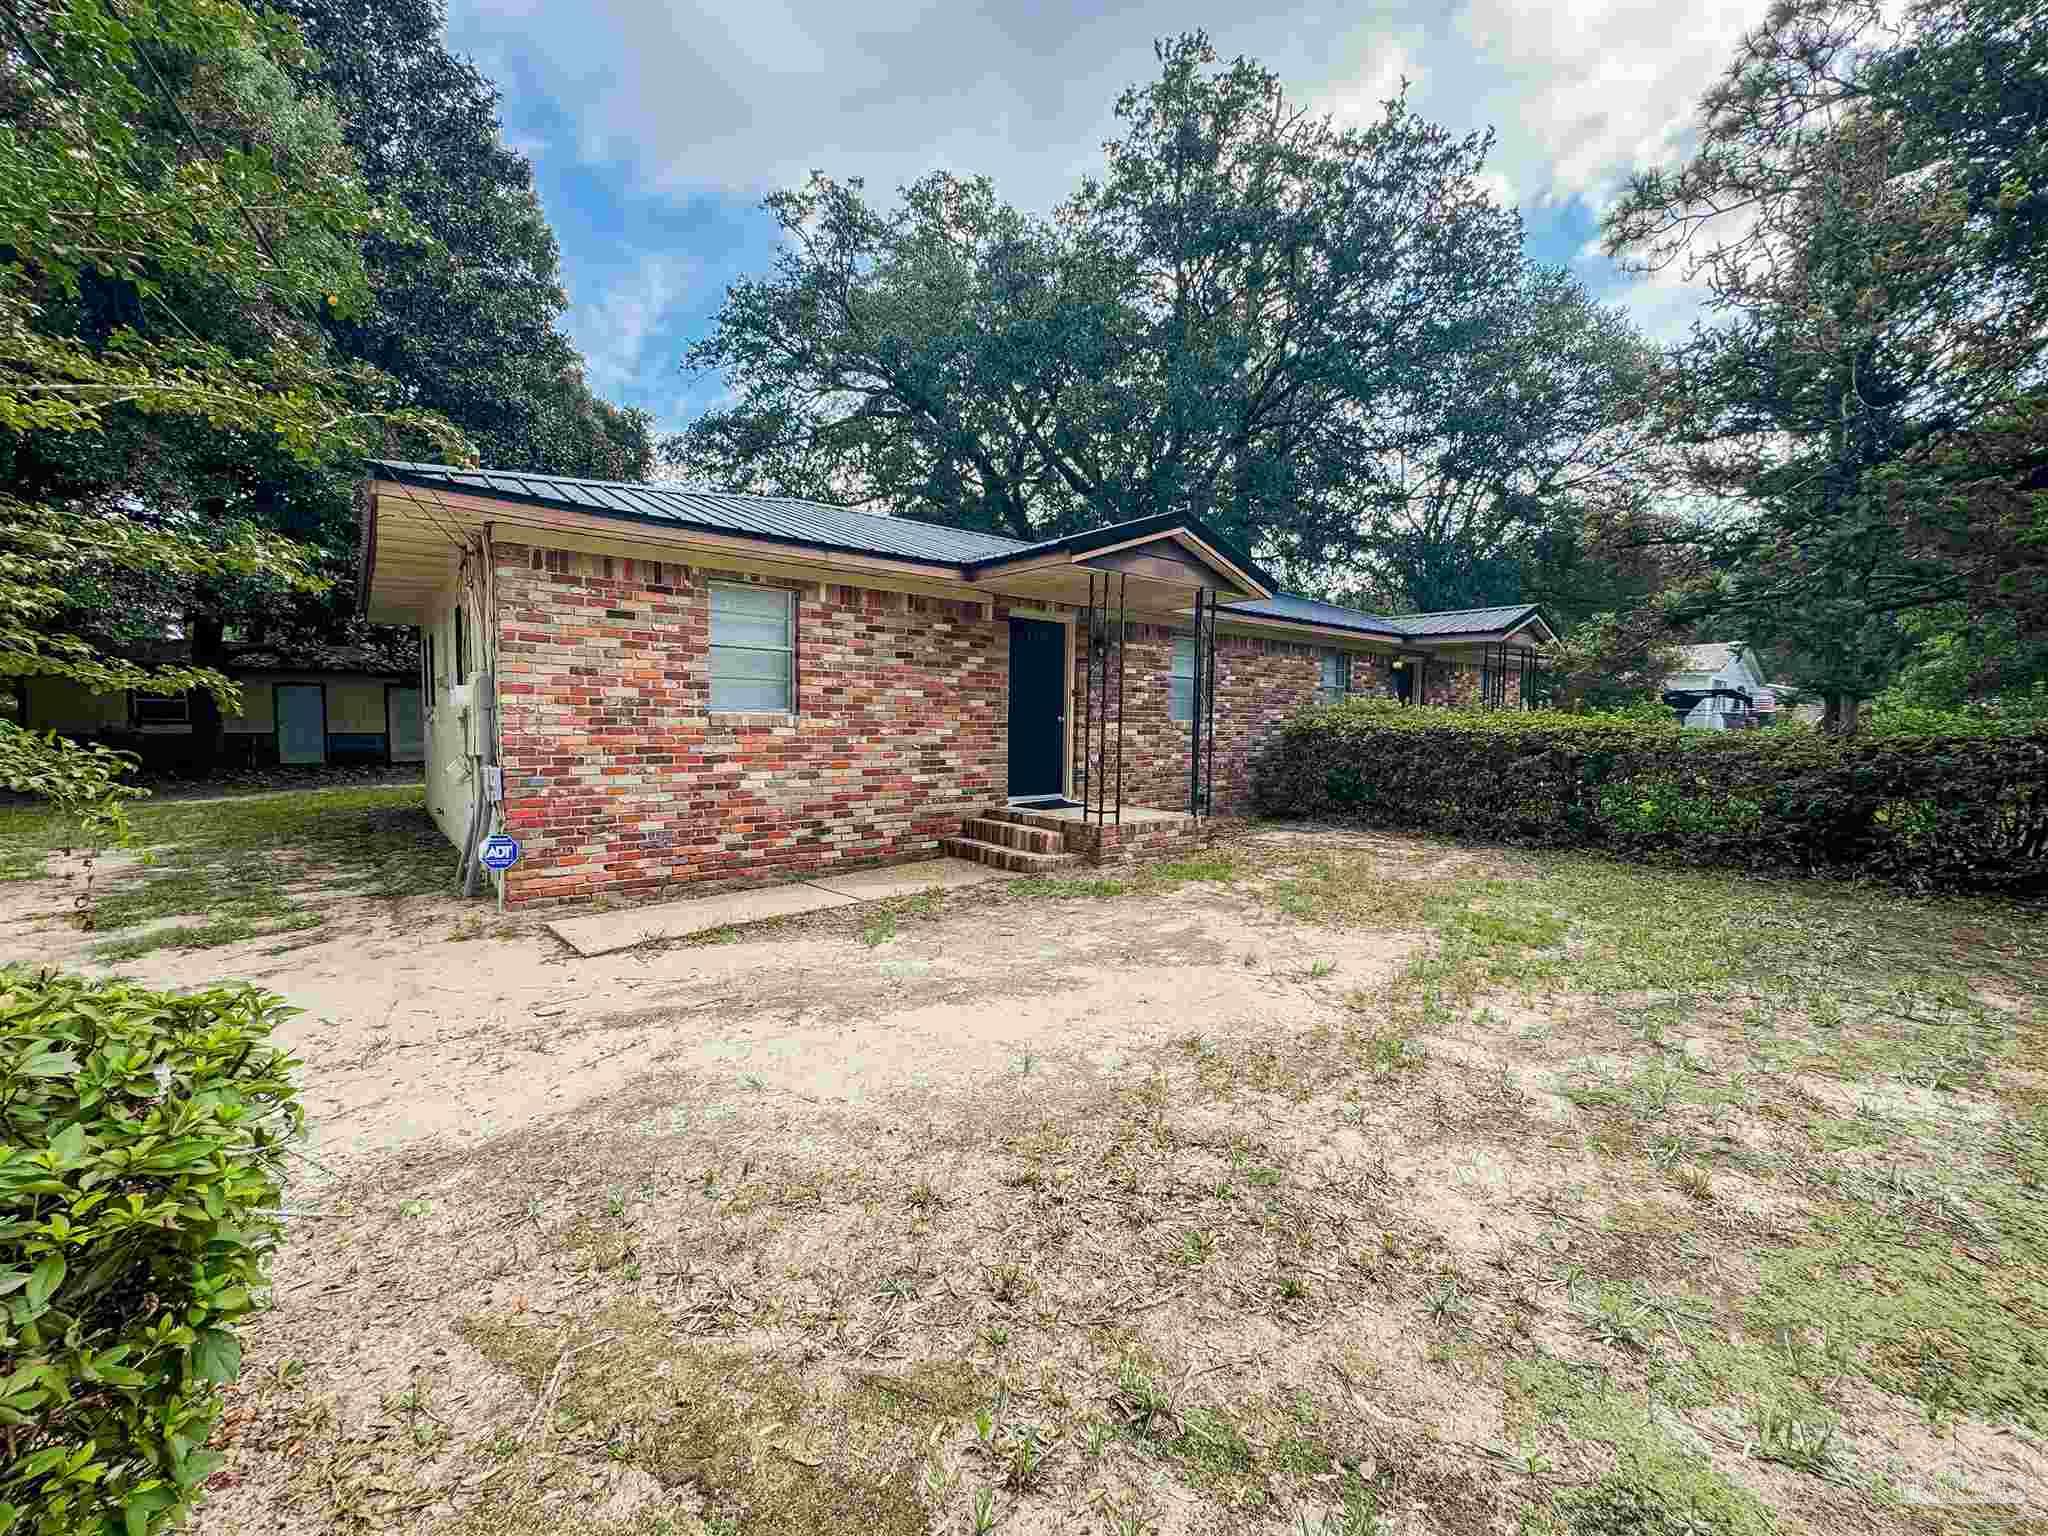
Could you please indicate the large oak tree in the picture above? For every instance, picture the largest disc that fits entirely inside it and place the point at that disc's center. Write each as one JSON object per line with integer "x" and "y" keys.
{"x": 1204, "y": 328}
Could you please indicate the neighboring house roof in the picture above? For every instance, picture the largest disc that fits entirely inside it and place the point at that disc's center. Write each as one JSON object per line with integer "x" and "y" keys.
{"x": 787, "y": 520}
{"x": 1710, "y": 657}
{"x": 316, "y": 658}
{"x": 1725, "y": 660}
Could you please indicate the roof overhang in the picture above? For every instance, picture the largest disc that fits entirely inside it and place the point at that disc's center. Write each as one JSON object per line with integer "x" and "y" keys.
{"x": 1155, "y": 565}
{"x": 412, "y": 538}
{"x": 1530, "y": 629}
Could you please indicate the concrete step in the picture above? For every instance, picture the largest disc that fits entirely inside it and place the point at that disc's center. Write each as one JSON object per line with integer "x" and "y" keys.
{"x": 996, "y": 856}
{"x": 1013, "y": 834}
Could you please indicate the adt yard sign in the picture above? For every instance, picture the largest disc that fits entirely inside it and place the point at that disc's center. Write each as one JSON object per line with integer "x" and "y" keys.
{"x": 500, "y": 852}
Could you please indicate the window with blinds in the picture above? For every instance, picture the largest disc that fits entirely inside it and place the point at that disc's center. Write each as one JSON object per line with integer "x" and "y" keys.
{"x": 1180, "y": 682}
{"x": 753, "y": 650}
{"x": 1336, "y": 681}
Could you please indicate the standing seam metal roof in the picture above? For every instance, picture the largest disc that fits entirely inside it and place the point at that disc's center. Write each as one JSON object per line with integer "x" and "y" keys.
{"x": 772, "y": 517}
{"x": 817, "y": 525}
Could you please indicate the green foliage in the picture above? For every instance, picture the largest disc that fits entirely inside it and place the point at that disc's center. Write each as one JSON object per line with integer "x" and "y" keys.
{"x": 140, "y": 1182}
{"x": 98, "y": 186}
{"x": 1865, "y": 407}
{"x": 1512, "y": 434}
{"x": 180, "y": 221}
{"x": 1628, "y": 1503}
{"x": 1659, "y": 1486}
{"x": 1948, "y": 811}
{"x": 469, "y": 320}
{"x": 1917, "y": 1316}
{"x": 1214, "y": 325}
{"x": 81, "y": 781}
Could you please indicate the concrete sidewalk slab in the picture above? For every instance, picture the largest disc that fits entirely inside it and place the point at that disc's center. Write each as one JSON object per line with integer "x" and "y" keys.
{"x": 608, "y": 931}
{"x": 909, "y": 879}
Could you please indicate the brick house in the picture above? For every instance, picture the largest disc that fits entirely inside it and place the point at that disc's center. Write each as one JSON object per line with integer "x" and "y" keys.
{"x": 655, "y": 688}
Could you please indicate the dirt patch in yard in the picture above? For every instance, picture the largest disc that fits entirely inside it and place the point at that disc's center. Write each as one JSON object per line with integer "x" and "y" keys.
{"x": 1330, "y": 1183}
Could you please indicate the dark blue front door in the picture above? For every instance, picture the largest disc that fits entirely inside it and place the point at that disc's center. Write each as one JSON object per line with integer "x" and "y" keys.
{"x": 1038, "y": 703}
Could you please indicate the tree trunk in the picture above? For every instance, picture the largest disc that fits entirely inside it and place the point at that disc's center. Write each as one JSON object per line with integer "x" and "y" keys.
{"x": 209, "y": 649}
{"x": 1841, "y": 714}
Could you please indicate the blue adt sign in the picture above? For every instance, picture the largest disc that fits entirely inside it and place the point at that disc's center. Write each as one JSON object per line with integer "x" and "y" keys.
{"x": 500, "y": 852}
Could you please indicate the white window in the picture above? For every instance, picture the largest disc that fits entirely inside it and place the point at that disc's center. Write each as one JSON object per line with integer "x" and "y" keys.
{"x": 1180, "y": 682}
{"x": 1336, "y": 677}
{"x": 753, "y": 650}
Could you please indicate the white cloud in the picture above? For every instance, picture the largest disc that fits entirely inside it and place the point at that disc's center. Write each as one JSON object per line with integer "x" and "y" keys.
{"x": 614, "y": 328}
{"x": 1586, "y": 91}
{"x": 738, "y": 96}
{"x": 730, "y": 98}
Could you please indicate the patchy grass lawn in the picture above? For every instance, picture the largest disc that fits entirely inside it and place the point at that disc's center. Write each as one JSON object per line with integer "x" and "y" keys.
{"x": 219, "y": 872}
{"x": 1617, "y": 1202}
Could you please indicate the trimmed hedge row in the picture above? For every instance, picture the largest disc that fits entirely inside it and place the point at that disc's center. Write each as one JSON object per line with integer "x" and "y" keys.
{"x": 1927, "y": 812}
{"x": 140, "y": 1140}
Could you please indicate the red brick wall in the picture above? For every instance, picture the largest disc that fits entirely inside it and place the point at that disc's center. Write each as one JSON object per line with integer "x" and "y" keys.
{"x": 618, "y": 778}
{"x": 1259, "y": 683}
{"x": 1458, "y": 683}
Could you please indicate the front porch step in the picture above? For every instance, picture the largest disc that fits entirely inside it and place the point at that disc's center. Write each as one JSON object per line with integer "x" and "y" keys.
{"x": 1044, "y": 821}
{"x": 1017, "y": 860}
{"x": 1014, "y": 834}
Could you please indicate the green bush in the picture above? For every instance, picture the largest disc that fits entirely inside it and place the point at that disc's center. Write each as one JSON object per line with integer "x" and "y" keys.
{"x": 139, "y": 1189}
{"x": 1926, "y": 811}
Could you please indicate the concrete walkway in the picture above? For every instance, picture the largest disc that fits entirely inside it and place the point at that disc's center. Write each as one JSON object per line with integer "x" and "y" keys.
{"x": 606, "y": 931}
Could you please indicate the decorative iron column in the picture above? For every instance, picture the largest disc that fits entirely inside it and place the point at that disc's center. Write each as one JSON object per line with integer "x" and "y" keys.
{"x": 1202, "y": 714}
{"x": 1102, "y": 783}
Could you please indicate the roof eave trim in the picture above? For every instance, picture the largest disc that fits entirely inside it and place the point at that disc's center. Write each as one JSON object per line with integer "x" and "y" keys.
{"x": 1252, "y": 580}
{"x": 1229, "y": 614}
{"x": 1494, "y": 632}
{"x": 946, "y": 568}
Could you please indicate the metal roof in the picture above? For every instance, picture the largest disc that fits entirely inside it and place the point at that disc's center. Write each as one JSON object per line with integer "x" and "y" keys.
{"x": 1306, "y": 610}
{"x": 787, "y": 520}
{"x": 781, "y": 518}
{"x": 1445, "y": 624}
{"x": 1465, "y": 621}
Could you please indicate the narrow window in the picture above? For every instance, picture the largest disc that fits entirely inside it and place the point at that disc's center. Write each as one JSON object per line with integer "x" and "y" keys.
{"x": 753, "y": 650}
{"x": 1336, "y": 677}
{"x": 1180, "y": 682}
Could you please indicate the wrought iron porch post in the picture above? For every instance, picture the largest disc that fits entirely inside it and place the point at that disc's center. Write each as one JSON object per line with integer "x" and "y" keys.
{"x": 1087, "y": 692}
{"x": 1123, "y": 623}
{"x": 1195, "y": 719}
{"x": 1209, "y": 676}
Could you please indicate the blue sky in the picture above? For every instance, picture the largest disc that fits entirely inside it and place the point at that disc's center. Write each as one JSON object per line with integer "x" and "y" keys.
{"x": 655, "y": 130}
